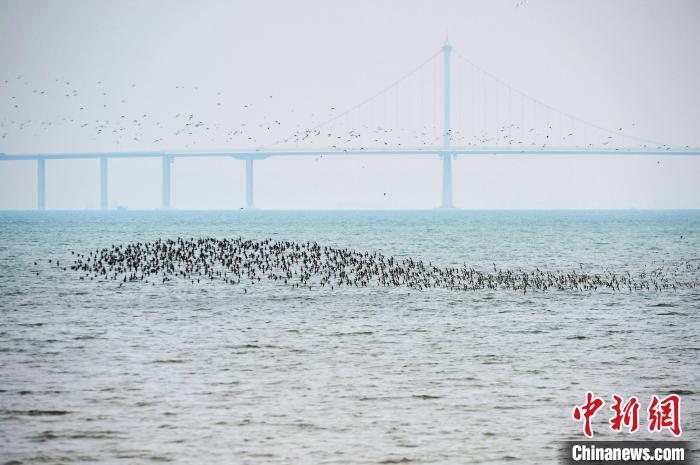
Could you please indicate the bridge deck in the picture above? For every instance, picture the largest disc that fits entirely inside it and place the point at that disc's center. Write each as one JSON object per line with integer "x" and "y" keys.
{"x": 261, "y": 154}
{"x": 250, "y": 156}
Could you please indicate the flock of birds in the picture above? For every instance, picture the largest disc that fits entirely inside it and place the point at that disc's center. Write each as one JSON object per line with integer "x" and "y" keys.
{"x": 118, "y": 118}
{"x": 309, "y": 265}
{"x": 100, "y": 111}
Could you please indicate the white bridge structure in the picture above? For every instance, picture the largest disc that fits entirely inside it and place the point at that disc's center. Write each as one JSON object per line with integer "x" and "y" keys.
{"x": 529, "y": 127}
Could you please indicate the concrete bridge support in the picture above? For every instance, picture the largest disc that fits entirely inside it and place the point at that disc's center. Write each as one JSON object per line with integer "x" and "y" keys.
{"x": 447, "y": 181}
{"x": 249, "y": 187}
{"x": 167, "y": 180}
{"x": 104, "y": 175}
{"x": 41, "y": 184}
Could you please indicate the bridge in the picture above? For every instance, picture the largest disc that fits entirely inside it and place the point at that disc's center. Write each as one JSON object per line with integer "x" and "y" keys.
{"x": 530, "y": 127}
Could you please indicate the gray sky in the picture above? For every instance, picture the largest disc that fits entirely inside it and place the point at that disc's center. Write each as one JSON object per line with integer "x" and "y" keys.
{"x": 141, "y": 68}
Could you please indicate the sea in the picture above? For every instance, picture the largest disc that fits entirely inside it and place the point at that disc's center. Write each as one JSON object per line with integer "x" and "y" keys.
{"x": 211, "y": 373}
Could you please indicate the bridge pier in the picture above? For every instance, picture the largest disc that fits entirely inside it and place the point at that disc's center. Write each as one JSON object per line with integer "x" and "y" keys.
{"x": 447, "y": 181}
{"x": 41, "y": 184}
{"x": 167, "y": 180}
{"x": 249, "y": 184}
{"x": 103, "y": 183}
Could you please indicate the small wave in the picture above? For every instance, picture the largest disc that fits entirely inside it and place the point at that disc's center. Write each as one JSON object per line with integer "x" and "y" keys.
{"x": 509, "y": 407}
{"x": 371, "y": 398}
{"x": 425, "y": 396}
{"x": 261, "y": 455}
{"x": 307, "y": 426}
{"x": 355, "y": 333}
{"x": 38, "y": 413}
{"x": 160, "y": 458}
{"x": 144, "y": 403}
{"x": 247, "y": 346}
{"x": 682, "y": 392}
{"x": 45, "y": 436}
{"x": 94, "y": 435}
{"x": 401, "y": 460}
{"x": 50, "y": 435}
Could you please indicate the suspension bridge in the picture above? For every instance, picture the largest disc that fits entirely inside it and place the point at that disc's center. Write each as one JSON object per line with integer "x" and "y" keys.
{"x": 482, "y": 115}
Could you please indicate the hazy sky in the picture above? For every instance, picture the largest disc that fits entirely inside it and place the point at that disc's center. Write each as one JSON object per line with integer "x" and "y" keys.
{"x": 91, "y": 76}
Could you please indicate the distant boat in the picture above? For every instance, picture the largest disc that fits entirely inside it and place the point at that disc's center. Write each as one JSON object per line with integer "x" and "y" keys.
{"x": 121, "y": 208}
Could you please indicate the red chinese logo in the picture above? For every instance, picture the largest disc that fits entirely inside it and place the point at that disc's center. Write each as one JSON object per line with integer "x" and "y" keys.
{"x": 665, "y": 413}
{"x": 625, "y": 415}
{"x": 662, "y": 413}
{"x": 586, "y": 411}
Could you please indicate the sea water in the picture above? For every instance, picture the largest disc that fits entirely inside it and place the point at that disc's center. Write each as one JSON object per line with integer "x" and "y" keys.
{"x": 211, "y": 373}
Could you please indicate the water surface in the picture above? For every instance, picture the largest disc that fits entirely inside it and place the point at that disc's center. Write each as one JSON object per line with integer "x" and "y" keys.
{"x": 94, "y": 373}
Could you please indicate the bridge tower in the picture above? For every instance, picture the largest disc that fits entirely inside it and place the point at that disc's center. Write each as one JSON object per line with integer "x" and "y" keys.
{"x": 447, "y": 130}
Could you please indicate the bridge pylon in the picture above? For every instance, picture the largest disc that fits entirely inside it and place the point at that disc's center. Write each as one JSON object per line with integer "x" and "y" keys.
{"x": 446, "y": 130}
